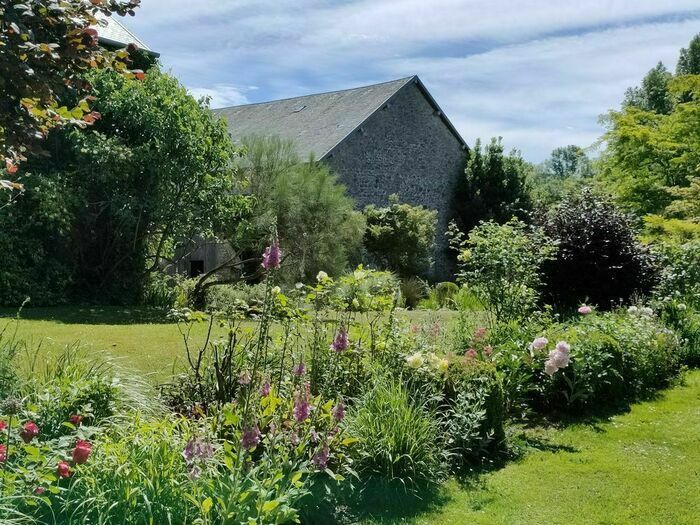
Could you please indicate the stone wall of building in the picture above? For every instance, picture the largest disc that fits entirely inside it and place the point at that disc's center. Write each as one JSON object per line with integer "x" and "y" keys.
{"x": 404, "y": 148}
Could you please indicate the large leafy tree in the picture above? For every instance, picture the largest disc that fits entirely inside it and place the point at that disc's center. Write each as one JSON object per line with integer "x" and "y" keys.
{"x": 568, "y": 161}
{"x": 650, "y": 154}
{"x": 653, "y": 94}
{"x": 303, "y": 203}
{"x": 46, "y": 47}
{"x": 157, "y": 168}
{"x": 494, "y": 186}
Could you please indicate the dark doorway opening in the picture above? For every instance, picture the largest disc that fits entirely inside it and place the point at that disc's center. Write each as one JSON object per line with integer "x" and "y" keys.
{"x": 196, "y": 268}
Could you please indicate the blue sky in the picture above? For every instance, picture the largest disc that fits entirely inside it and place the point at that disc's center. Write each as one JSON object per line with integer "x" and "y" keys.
{"x": 537, "y": 72}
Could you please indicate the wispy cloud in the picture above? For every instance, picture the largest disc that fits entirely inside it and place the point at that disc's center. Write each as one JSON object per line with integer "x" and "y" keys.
{"x": 221, "y": 95}
{"x": 536, "y": 72}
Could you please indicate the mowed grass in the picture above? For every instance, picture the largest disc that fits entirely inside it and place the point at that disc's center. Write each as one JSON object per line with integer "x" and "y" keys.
{"x": 142, "y": 340}
{"x": 641, "y": 467}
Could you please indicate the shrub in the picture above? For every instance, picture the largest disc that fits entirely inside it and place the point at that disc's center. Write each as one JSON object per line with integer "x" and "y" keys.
{"x": 315, "y": 219}
{"x": 686, "y": 322}
{"x": 598, "y": 258}
{"x": 615, "y": 358}
{"x": 501, "y": 264}
{"x": 475, "y": 414}
{"x": 446, "y": 293}
{"x": 680, "y": 272}
{"x": 400, "y": 237}
{"x": 413, "y": 290}
{"x": 397, "y": 437}
{"x": 229, "y": 297}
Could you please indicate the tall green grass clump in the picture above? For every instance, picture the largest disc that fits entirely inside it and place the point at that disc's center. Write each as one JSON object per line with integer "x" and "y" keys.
{"x": 398, "y": 438}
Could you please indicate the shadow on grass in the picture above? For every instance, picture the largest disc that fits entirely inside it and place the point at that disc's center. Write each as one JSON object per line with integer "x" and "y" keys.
{"x": 95, "y": 315}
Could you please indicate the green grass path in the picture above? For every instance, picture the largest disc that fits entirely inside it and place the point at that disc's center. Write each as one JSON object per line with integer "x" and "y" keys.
{"x": 641, "y": 467}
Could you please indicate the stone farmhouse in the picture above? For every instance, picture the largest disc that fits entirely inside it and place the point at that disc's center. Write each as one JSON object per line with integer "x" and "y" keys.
{"x": 382, "y": 139}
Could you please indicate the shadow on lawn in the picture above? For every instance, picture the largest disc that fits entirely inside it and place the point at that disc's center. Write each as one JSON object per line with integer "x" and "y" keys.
{"x": 96, "y": 315}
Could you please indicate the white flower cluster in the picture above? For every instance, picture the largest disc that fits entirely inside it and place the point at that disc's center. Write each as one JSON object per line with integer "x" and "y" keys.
{"x": 634, "y": 310}
{"x": 435, "y": 362}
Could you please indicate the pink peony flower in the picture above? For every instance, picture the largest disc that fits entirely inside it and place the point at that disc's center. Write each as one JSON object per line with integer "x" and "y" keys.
{"x": 559, "y": 359}
{"x": 549, "y": 367}
{"x": 272, "y": 257}
{"x": 480, "y": 333}
{"x": 63, "y": 470}
{"x": 539, "y": 343}
{"x": 3, "y": 425}
{"x": 585, "y": 310}
{"x": 81, "y": 452}
{"x": 471, "y": 353}
{"x": 29, "y": 432}
{"x": 3, "y": 453}
{"x": 563, "y": 346}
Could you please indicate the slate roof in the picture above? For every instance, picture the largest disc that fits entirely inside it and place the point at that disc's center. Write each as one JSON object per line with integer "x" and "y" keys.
{"x": 115, "y": 33}
{"x": 316, "y": 123}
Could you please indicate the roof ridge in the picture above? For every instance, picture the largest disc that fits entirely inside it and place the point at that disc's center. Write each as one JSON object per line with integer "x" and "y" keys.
{"x": 403, "y": 80}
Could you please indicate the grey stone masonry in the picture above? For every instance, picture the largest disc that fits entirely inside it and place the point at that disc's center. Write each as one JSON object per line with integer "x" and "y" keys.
{"x": 404, "y": 148}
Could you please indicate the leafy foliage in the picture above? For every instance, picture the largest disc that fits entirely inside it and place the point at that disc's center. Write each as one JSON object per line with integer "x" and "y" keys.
{"x": 314, "y": 218}
{"x": 400, "y": 237}
{"x": 653, "y": 95}
{"x": 495, "y": 186}
{"x": 46, "y": 48}
{"x": 156, "y": 168}
{"x": 502, "y": 264}
{"x": 568, "y": 161}
{"x": 599, "y": 258}
{"x": 397, "y": 437}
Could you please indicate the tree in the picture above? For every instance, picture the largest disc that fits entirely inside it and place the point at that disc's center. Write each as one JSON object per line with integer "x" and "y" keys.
{"x": 689, "y": 59}
{"x": 157, "y": 168}
{"x": 314, "y": 218}
{"x": 568, "y": 161}
{"x": 46, "y": 48}
{"x": 494, "y": 186}
{"x": 648, "y": 153}
{"x": 401, "y": 237}
{"x": 653, "y": 95}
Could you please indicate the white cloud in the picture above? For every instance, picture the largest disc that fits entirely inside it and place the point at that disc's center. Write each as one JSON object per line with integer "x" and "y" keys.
{"x": 221, "y": 95}
{"x": 537, "y": 72}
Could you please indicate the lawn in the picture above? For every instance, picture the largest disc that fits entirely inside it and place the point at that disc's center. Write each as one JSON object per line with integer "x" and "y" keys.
{"x": 641, "y": 467}
{"x": 140, "y": 339}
